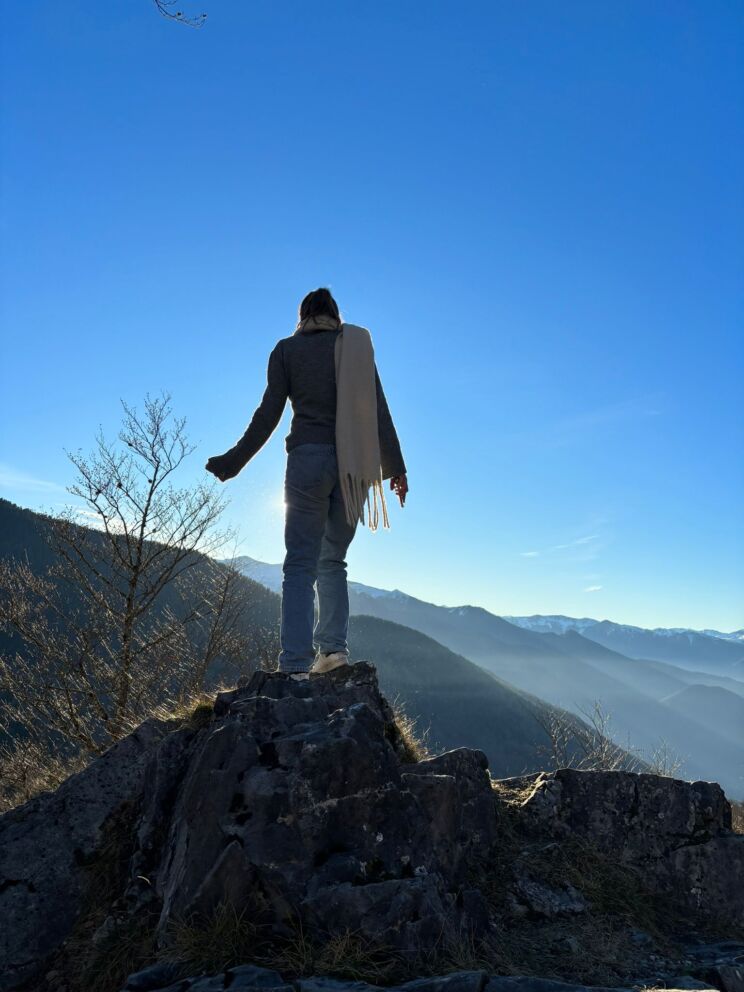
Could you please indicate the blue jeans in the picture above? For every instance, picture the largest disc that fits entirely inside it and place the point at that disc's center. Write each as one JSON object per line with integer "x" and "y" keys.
{"x": 316, "y": 536}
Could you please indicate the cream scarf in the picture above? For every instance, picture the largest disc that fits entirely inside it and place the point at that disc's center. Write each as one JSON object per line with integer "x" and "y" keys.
{"x": 357, "y": 437}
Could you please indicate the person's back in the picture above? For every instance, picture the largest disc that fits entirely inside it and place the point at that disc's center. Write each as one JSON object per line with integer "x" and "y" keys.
{"x": 323, "y": 502}
{"x": 309, "y": 364}
{"x": 302, "y": 368}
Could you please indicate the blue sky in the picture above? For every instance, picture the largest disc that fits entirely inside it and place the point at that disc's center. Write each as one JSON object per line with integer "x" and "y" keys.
{"x": 535, "y": 207}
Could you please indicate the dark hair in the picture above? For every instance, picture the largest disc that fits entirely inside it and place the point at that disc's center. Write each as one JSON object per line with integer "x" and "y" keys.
{"x": 317, "y": 302}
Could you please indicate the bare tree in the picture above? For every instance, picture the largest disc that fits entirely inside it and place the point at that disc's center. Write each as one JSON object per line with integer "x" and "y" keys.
{"x": 586, "y": 742}
{"x": 170, "y": 9}
{"x": 130, "y": 612}
{"x": 266, "y": 647}
{"x": 225, "y": 634}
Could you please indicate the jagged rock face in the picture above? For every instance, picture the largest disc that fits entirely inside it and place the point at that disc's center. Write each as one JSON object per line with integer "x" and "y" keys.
{"x": 677, "y": 834}
{"x": 297, "y": 799}
{"x": 45, "y": 845}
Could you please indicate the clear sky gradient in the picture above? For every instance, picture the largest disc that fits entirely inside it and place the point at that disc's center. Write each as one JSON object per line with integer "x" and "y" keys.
{"x": 536, "y": 207}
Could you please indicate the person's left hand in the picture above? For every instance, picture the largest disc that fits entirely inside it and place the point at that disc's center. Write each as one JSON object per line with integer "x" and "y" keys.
{"x": 219, "y": 468}
{"x": 399, "y": 485}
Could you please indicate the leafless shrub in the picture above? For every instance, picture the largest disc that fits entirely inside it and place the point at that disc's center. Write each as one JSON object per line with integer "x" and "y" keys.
{"x": 663, "y": 760}
{"x": 123, "y": 619}
{"x": 587, "y": 743}
{"x": 581, "y": 743}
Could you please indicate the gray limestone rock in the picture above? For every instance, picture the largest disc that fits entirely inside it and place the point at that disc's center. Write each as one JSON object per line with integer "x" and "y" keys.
{"x": 297, "y": 803}
{"x": 676, "y": 834}
{"x": 46, "y": 844}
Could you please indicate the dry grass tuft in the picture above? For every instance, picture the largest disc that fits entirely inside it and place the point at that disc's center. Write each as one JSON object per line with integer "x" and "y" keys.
{"x": 28, "y": 768}
{"x": 228, "y": 938}
{"x": 195, "y": 710}
{"x": 462, "y": 952}
{"x": 405, "y": 736}
{"x": 224, "y": 939}
{"x": 294, "y": 955}
{"x": 353, "y": 957}
{"x": 514, "y": 792}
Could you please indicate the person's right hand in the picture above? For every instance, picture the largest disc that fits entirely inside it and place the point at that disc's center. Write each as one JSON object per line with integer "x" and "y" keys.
{"x": 219, "y": 467}
{"x": 399, "y": 485}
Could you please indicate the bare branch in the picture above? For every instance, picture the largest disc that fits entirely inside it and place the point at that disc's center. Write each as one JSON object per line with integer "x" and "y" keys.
{"x": 170, "y": 9}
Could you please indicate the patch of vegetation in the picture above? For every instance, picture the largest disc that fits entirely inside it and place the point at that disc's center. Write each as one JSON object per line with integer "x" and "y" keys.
{"x": 461, "y": 952}
{"x": 403, "y": 734}
{"x": 227, "y": 938}
{"x": 222, "y": 940}
{"x": 32, "y": 768}
{"x": 737, "y": 816}
{"x": 595, "y": 947}
{"x": 611, "y": 887}
{"x": 348, "y": 955}
{"x": 193, "y": 711}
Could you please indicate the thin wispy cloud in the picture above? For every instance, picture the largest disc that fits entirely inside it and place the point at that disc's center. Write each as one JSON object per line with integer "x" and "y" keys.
{"x": 14, "y": 478}
{"x": 577, "y": 427}
{"x": 577, "y": 543}
{"x": 586, "y": 547}
{"x": 593, "y": 588}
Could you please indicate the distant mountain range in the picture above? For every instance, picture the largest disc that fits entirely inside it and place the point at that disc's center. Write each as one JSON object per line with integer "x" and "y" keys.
{"x": 645, "y": 679}
{"x": 559, "y": 624}
{"x": 711, "y": 650}
{"x": 708, "y": 650}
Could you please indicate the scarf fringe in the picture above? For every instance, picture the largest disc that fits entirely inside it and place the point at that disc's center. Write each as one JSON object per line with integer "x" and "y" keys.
{"x": 356, "y": 494}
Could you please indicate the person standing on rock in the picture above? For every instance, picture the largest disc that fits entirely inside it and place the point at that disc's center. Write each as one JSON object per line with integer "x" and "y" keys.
{"x": 341, "y": 447}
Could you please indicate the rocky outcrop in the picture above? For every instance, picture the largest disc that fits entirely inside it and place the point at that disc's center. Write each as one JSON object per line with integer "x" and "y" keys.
{"x": 677, "y": 835}
{"x": 300, "y": 806}
{"x": 46, "y": 844}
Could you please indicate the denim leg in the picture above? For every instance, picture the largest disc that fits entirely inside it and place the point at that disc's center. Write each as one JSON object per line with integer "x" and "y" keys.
{"x": 307, "y": 488}
{"x": 332, "y": 629}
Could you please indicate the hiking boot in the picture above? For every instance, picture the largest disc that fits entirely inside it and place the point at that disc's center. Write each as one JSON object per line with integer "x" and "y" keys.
{"x": 327, "y": 662}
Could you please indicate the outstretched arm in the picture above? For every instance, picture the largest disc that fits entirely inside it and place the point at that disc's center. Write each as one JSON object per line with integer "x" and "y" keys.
{"x": 262, "y": 425}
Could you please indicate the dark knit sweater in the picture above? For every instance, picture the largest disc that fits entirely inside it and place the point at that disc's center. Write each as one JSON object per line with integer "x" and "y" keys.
{"x": 302, "y": 369}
